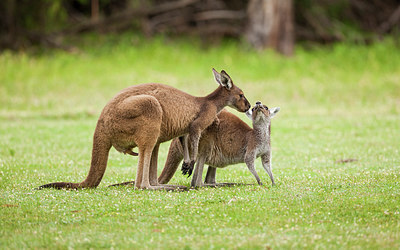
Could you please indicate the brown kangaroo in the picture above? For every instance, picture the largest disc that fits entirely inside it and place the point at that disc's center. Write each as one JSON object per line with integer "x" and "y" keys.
{"x": 227, "y": 142}
{"x": 146, "y": 115}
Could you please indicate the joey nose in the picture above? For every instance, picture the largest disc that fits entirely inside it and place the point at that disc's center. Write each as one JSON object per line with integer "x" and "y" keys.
{"x": 258, "y": 103}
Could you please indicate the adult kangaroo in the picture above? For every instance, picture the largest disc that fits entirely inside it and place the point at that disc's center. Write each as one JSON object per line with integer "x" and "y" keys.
{"x": 146, "y": 115}
{"x": 227, "y": 142}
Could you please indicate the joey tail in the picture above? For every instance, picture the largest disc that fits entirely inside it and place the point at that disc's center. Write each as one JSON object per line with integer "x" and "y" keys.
{"x": 101, "y": 148}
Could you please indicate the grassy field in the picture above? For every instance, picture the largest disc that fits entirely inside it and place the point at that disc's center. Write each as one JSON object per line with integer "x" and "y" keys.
{"x": 337, "y": 103}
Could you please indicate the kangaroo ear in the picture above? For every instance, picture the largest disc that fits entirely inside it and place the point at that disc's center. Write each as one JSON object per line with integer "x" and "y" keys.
{"x": 249, "y": 114}
{"x": 223, "y": 79}
{"x": 274, "y": 111}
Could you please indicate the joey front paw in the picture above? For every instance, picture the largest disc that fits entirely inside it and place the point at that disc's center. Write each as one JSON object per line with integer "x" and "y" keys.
{"x": 187, "y": 168}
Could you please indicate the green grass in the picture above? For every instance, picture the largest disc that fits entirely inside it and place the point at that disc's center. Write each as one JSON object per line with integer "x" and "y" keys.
{"x": 337, "y": 103}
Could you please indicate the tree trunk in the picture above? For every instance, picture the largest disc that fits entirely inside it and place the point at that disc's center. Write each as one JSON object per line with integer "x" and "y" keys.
{"x": 95, "y": 10}
{"x": 270, "y": 25}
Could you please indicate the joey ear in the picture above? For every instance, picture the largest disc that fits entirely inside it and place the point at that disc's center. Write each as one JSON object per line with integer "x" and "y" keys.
{"x": 223, "y": 79}
{"x": 274, "y": 111}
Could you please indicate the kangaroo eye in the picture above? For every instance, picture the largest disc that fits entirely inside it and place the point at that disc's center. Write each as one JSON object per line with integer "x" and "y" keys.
{"x": 241, "y": 95}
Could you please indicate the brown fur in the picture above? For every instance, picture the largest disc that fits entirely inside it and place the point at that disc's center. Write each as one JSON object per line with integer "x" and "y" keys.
{"x": 227, "y": 142}
{"x": 146, "y": 115}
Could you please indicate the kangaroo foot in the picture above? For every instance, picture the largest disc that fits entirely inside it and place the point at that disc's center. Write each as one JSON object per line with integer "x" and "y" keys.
{"x": 226, "y": 184}
{"x": 166, "y": 188}
{"x": 123, "y": 184}
{"x": 187, "y": 168}
{"x": 233, "y": 184}
{"x": 175, "y": 186}
{"x": 208, "y": 185}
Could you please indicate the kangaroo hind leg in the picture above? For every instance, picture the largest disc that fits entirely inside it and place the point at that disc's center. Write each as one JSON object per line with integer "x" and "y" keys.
{"x": 153, "y": 173}
{"x": 198, "y": 172}
{"x": 142, "y": 119}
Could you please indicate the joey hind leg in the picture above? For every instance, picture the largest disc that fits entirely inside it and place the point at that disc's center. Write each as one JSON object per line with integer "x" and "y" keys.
{"x": 266, "y": 162}
{"x": 210, "y": 179}
{"x": 210, "y": 176}
{"x": 249, "y": 159}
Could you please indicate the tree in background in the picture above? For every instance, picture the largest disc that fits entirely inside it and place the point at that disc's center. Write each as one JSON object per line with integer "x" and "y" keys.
{"x": 270, "y": 25}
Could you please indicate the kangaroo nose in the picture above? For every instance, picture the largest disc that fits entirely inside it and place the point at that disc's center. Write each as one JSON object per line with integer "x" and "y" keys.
{"x": 248, "y": 105}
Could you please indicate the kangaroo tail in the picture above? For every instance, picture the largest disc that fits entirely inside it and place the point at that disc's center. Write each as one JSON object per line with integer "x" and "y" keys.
{"x": 175, "y": 156}
{"x": 60, "y": 185}
{"x": 101, "y": 148}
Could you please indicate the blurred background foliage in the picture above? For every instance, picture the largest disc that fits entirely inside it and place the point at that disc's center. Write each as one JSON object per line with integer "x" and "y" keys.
{"x": 24, "y": 23}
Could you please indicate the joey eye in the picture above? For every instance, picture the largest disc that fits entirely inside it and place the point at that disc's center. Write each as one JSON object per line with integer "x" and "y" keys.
{"x": 266, "y": 107}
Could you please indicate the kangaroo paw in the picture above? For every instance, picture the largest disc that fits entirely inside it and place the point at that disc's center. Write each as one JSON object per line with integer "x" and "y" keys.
{"x": 165, "y": 188}
{"x": 191, "y": 167}
{"x": 175, "y": 187}
{"x": 187, "y": 168}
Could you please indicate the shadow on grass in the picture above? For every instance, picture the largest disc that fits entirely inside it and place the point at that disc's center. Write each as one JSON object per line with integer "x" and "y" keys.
{"x": 181, "y": 188}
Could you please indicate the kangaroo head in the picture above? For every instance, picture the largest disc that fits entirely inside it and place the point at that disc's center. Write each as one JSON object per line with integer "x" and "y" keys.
{"x": 261, "y": 112}
{"x": 233, "y": 94}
